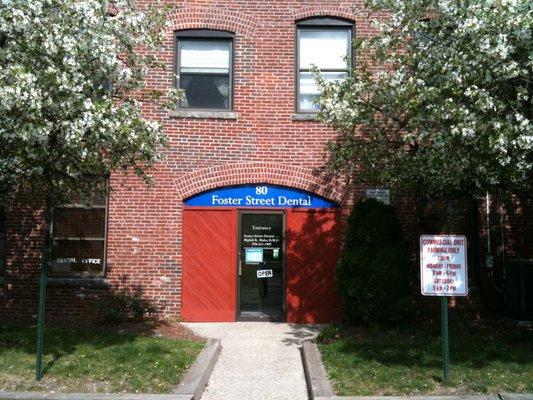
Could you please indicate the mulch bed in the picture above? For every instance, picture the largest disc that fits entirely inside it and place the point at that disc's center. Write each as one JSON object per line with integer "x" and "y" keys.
{"x": 152, "y": 327}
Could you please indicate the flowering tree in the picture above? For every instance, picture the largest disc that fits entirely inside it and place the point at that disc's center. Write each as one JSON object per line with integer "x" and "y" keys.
{"x": 440, "y": 98}
{"x": 71, "y": 74}
{"x": 71, "y": 82}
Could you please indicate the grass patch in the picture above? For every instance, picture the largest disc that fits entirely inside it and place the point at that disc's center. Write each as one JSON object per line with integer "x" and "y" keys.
{"x": 85, "y": 360}
{"x": 490, "y": 358}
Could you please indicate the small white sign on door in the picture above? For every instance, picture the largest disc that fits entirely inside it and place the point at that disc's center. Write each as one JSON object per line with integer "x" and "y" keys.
{"x": 443, "y": 265}
{"x": 265, "y": 273}
{"x": 253, "y": 255}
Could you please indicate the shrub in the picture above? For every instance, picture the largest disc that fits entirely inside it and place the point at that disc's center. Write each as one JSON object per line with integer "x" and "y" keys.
{"x": 121, "y": 306}
{"x": 373, "y": 270}
{"x": 329, "y": 334}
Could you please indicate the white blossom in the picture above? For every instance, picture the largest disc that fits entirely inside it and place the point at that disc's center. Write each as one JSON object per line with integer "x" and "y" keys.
{"x": 69, "y": 109}
{"x": 440, "y": 102}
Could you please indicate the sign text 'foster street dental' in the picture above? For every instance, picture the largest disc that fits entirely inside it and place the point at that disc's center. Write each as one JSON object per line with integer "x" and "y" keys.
{"x": 258, "y": 196}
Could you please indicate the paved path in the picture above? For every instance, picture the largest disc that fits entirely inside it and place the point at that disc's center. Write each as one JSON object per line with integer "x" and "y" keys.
{"x": 259, "y": 360}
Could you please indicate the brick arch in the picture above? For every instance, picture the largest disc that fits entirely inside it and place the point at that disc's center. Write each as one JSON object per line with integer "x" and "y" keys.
{"x": 324, "y": 11}
{"x": 212, "y": 18}
{"x": 264, "y": 172}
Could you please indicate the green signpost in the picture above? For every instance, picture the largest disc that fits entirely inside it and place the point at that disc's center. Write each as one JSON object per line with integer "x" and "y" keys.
{"x": 40, "y": 323}
{"x": 445, "y": 338}
{"x": 42, "y": 293}
{"x": 443, "y": 273}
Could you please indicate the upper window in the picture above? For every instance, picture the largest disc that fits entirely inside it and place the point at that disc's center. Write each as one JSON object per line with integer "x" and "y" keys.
{"x": 204, "y": 69}
{"x": 327, "y": 44}
{"x": 79, "y": 238}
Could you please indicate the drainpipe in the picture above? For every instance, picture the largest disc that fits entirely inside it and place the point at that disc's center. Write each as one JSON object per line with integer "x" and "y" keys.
{"x": 489, "y": 260}
{"x": 501, "y": 228}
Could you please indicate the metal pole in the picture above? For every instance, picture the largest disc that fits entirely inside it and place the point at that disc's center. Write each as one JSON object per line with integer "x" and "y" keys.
{"x": 40, "y": 324}
{"x": 42, "y": 291}
{"x": 445, "y": 339}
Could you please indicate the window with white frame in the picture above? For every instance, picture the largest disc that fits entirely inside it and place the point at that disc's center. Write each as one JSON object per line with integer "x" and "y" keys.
{"x": 327, "y": 44}
{"x": 204, "y": 69}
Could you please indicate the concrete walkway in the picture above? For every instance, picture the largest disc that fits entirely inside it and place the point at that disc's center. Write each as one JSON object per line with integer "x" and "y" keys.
{"x": 259, "y": 360}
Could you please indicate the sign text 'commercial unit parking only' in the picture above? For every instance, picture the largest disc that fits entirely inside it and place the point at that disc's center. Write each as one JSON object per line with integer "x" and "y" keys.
{"x": 443, "y": 265}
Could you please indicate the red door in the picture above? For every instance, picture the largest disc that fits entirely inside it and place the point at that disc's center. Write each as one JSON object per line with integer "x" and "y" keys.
{"x": 312, "y": 251}
{"x": 209, "y": 265}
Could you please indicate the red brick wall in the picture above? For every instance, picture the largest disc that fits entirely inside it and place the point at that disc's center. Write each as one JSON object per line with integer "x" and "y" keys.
{"x": 263, "y": 145}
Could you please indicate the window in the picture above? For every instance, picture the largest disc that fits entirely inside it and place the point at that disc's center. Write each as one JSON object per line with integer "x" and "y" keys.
{"x": 204, "y": 69}
{"x": 79, "y": 238}
{"x": 2, "y": 241}
{"x": 327, "y": 44}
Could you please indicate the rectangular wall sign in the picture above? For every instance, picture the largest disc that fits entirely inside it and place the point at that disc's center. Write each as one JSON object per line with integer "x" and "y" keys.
{"x": 379, "y": 194}
{"x": 443, "y": 265}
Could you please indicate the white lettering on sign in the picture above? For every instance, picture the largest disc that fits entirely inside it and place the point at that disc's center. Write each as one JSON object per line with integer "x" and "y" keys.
{"x": 225, "y": 201}
{"x": 443, "y": 265}
{"x": 261, "y": 190}
{"x": 261, "y": 228}
{"x": 73, "y": 260}
{"x": 252, "y": 201}
{"x": 265, "y": 273}
{"x": 284, "y": 201}
{"x": 249, "y": 200}
{"x": 90, "y": 261}
{"x": 67, "y": 260}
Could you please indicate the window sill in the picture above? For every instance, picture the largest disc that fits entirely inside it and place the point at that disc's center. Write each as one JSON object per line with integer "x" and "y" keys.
{"x": 305, "y": 117}
{"x": 78, "y": 282}
{"x": 203, "y": 114}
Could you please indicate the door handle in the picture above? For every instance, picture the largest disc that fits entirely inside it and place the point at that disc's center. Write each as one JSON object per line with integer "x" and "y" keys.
{"x": 240, "y": 267}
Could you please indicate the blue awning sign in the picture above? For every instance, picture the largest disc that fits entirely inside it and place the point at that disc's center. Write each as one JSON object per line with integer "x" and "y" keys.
{"x": 266, "y": 196}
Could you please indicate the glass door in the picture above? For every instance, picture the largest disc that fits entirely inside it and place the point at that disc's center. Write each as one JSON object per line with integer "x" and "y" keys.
{"x": 261, "y": 266}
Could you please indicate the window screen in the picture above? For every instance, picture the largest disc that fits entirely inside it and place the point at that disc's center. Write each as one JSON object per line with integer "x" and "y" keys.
{"x": 328, "y": 47}
{"x": 204, "y": 68}
{"x": 79, "y": 238}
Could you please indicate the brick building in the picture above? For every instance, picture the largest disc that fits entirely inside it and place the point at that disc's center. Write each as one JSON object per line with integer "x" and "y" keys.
{"x": 242, "y": 223}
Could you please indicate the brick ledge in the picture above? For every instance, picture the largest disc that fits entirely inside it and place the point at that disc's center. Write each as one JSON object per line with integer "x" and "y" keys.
{"x": 94, "y": 282}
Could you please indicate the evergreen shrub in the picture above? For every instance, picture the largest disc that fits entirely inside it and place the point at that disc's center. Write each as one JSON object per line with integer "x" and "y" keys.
{"x": 373, "y": 270}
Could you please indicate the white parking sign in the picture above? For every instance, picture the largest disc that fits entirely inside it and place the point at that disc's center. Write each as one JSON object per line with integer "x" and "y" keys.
{"x": 443, "y": 265}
